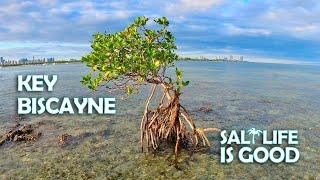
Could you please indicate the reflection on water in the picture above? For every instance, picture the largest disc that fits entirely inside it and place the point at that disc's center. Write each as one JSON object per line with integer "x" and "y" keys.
{"x": 243, "y": 95}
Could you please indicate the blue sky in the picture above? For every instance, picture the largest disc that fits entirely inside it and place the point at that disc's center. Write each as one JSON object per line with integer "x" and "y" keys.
{"x": 286, "y": 31}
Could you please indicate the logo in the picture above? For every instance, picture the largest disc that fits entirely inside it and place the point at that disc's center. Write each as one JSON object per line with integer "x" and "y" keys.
{"x": 276, "y": 146}
{"x": 254, "y": 132}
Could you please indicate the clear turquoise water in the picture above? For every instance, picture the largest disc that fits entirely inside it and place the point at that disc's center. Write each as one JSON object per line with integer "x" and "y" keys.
{"x": 243, "y": 95}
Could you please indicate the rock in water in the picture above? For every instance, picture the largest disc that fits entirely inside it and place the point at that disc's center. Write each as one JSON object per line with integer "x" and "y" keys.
{"x": 20, "y": 133}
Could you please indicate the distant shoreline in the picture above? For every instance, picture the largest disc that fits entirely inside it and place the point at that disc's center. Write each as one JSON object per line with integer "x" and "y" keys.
{"x": 77, "y": 61}
{"x": 213, "y": 60}
{"x": 41, "y": 63}
{"x": 186, "y": 60}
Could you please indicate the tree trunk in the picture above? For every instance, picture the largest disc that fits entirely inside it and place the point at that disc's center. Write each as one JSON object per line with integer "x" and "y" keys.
{"x": 167, "y": 123}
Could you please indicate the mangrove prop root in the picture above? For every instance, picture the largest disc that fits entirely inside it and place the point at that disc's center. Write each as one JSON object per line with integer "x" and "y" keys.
{"x": 20, "y": 133}
{"x": 63, "y": 138}
{"x": 170, "y": 122}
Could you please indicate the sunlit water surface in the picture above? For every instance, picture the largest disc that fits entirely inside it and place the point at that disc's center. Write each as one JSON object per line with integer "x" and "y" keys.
{"x": 243, "y": 95}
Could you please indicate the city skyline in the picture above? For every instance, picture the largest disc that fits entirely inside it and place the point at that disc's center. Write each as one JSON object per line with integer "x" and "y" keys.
{"x": 22, "y": 61}
{"x": 49, "y": 59}
{"x": 277, "y": 31}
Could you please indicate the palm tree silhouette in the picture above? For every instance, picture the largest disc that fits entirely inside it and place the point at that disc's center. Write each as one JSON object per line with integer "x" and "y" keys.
{"x": 254, "y": 132}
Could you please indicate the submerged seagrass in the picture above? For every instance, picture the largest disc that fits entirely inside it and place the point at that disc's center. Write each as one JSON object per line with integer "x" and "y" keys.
{"x": 139, "y": 55}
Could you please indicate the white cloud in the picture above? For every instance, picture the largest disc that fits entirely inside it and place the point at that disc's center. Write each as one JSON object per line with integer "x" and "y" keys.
{"x": 307, "y": 28}
{"x": 197, "y": 27}
{"x": 13, "y": 9}
{"x": 235, "y": 30}
{"x": 92, "y": 17}
{"x": 118, "y": 4}
{"x": 47, "y": 2}
{"x": 202, "y": 23}
{"x": 89, "y": 12}
{"x": 296, "y": 21}
{"x": 183, "y": 6}
{"x": 17, "y": 50}
{"x": 122, "y": 14}
{"x": 19, "y": 27}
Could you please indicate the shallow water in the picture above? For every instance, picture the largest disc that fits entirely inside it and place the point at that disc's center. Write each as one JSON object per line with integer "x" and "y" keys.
{"x": 243, "y": 95}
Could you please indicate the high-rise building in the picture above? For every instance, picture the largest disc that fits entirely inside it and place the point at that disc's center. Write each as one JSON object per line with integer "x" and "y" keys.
{"x": 50, "y": 59}
{"x": 23, "y": 61}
